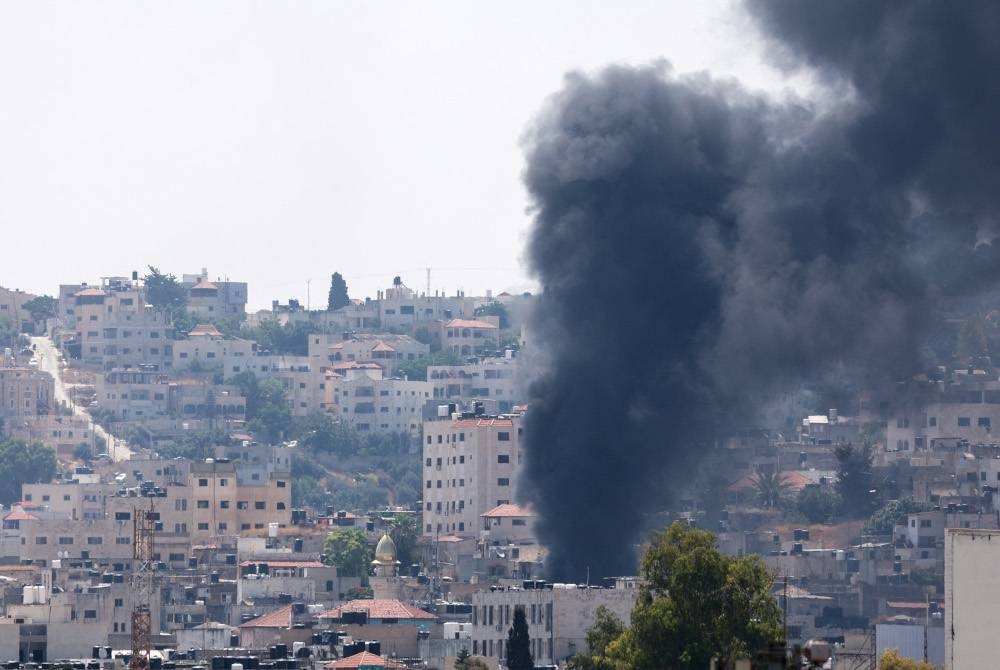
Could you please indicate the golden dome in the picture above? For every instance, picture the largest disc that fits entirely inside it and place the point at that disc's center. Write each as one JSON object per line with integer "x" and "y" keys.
{"x": 385, "y": 551}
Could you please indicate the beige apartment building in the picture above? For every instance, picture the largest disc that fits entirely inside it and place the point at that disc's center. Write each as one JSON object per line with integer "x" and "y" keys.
{"x": 497, "y": 382}
{"x": 381, "y": 405}
{"x": 208, "y": 349}
{"x": 387, "y": 350}
{"x": 12, "y": 307}
{"x": 223, "y": 506}
{"x": 468, "y": 337}
{"x": 61, "y": 433}
{"x": 471, "y": 466}
{"x": 217, "y": 299}
{"x": 25, "y": 393}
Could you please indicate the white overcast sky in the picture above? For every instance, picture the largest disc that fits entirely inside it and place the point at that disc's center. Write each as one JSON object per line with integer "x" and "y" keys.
{"x": 278, "y": 142}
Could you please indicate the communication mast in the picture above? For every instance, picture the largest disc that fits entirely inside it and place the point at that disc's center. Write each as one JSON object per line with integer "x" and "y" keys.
{"x": 142, "y": 586}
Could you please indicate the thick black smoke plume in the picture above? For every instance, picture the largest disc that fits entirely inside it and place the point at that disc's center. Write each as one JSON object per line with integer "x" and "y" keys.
{"x": 699, "y": 246}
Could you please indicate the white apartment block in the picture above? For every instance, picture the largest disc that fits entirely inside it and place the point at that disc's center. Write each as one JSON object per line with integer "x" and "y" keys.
{"x": 963, "y": 411}
{"x": 380, "y": 405}
{"x": 387, "y": 350}
{"x": 558, "y": 615}
{"x": 471, "y": 466}
{"x": 219, "y": 299}
{"x": 135, "y": 395}
{"x": 468, "y": 337}
{"x": 304, "y": 381}
{"x": 61, "y": 433}
{"x": 402, "y": 308}
{"x": 12, "y": 307}
{"x": 25, "y": 393}
{"x": 206, "y": 348}
{"x": 495, "y": 381}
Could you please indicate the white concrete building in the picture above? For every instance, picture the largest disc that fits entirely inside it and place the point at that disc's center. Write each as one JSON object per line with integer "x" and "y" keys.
{"x": 495, "y": 381}
{"x": 381, "y": 405}
{"x": 972, "y": 588}
{"x": 471, "y": 465}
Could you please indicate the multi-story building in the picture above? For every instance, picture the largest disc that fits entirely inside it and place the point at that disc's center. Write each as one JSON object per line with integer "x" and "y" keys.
{"x": 112, "y": 327}
{"x": 559, "y": 616}
{"x": 12, "y": 308}
{"x": 229, "y": 498}
{"x": 471, "y": 465}
{"x": 61, "y": 433}
{"x": 25, "y": 393}
{"x": 215, "y": 300}
{"x": 139, "y": 394}
{"x": 387, "y": 350}
{"x": 208, "y": 349}
{"x": 403, "y": 308}
{"x": 469, "y": 337}
{"x": 304, "y": 381}
{"x": 494, "y": 381}
{"x": 381, "y": 405}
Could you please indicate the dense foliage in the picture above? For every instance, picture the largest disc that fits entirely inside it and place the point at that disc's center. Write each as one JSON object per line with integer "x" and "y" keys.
{"x": 23, "y": 463}
{"x": 696, "y": 603}
{"x": 291, "y": 339}
{"x": 164, "y": 290}
{"x": 347, "y": 548}
{"x": 519, "y": 643}
{"x": 43, "y": 307}
{"x": 855, "y": 482}
{"x": 337, "y": 297}
{"x": 894, "y": 512}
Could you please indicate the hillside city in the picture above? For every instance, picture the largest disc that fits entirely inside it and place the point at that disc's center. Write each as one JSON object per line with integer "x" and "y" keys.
{"x": 337, "y": 487}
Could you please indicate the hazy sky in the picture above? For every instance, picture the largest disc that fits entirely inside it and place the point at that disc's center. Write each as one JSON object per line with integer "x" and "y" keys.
{"x": 278, "y": 142}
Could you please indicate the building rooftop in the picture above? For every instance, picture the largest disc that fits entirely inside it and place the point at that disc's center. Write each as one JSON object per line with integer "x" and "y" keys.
{"x": 483, "y": 421}
{"x": 205, "y": 330}
{"x": 469, "y": 323}
{"x": 508, "y": 510}
{"x": 378, "y": 608}
{"x": 280, "y": 618}
{"x": 365, "y": 659}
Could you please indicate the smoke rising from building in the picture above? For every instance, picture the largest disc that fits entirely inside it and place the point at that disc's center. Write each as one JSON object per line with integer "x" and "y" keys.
{"x": 700, "y": 246}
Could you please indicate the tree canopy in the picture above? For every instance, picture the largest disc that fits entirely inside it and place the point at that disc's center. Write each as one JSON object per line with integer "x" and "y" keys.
{"x": 43, "y": 307}
{"x": 337, "y": 297}
{"x": 606, "y": 629}
{"x": 163, "y": 290}
{"x": 855, "y": 482}
{"x": 23, "y": 463}
{"x": 348, "y": 549}
{"x": 696, "y": 603}
{"x": 894, "y": 512}
{"x": 494, "y": 308}
{"x": 893, "y": 660}
{"x": 519, "y": 643}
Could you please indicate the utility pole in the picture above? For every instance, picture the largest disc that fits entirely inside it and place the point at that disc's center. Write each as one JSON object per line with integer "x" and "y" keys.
{"x": 428, "y": 294}
{"x": 142, "y": 586}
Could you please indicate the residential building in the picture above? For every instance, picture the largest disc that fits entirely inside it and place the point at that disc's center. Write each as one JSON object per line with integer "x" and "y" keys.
{"x": 558, "y": 617}
{"x": 495, "y": 381}
{"x": 208, "y": 349}
{"x": 471, "y": 466}
{"x": 216, "y": 300}
{"x": 229, "y": 499}
{"x": 470, "y": 337}
{"x": 972, "y": 585}
{"x": 12, "y": 308}
{"x": 59, "y": 432}
{"x": 380, "y": 405}
{"x": 387, "y": 350}
{"x": 25, "y": 393}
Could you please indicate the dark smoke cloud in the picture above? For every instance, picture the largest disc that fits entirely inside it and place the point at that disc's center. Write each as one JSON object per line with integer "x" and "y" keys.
{"x": 700, "y": 247}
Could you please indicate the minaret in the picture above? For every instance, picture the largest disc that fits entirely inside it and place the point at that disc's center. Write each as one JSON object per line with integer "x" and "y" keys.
{"x": 385, "y": 582}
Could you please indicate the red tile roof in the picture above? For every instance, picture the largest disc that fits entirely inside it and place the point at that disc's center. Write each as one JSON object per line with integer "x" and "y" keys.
{"x": 354, "y": 365}
{"x": 364, "y": 659}
{"x": 508, "y": 510}
{"x": 281, "y": 618}
{"x": 468, "y": 323}
{"x": 382, "y": 346}
{"x": 379, "y": 608}
{"x": 284, "y": 564}
{"x": 478, "y": 423}
{"x": 206, "y": 329}
{"x": 204, "y": 283}
{"x": 20, "y": 515}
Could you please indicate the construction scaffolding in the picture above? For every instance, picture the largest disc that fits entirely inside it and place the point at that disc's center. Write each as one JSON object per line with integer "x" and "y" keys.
{"x": 142, "y": 586}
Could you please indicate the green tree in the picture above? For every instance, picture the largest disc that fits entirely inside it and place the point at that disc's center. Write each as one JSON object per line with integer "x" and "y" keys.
{"x": 494, "y": 308}
{"x": 348, "y": 549}
{"x": 416, "y": 370}
{"x": 855, "y": 482}
{"x": 337, "y": 297}
{"x": 697, "y": 603}
{"x": 404, "y": 529}
{"x": 772, "y": 489}
{"x": 893, "y": 660}
{"x": 893, "y": 513}
{"x": 83, "y": 452}
{"x": 267, "y": 410}
{"x": 163, "y": 290}
{"x": 818, "y": 503}
{"x": 519, "y": 643}
{"x": 606, "y": 629}
{"x": 43, "y": 307}
{"x": 23, "y": 463}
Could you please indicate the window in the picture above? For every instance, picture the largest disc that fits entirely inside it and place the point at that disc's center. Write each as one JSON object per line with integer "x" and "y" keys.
{"x": 461, "y": 459}
{"x": 503, "y": 436}
{"x": 95, "y": 540}
{"x": 260, "y": 504}
{"x": 89, "y": 614}
{"x": 932, "y": 421}
{"x": 202, "y": 504}
{"x": 41, "y": 539}
{"x": 503, "y": 481}
{"x": 202, "y": 526}
{"x": 119, "y": 602}
{"x": 123, "y": 540}
{"x": 983, "y": 422}
{"x": 280, "y": 505}
{"x": 65, "y": 540}
{"x": 223, "y": 482}
{"x": 925, "y": 523}
{"x": 429, "y": 484}
{"x": 439, "y": 483}
{"x": 282, "y": 483}
{"x": 503, "y": 458}
{"x": 222, "y": 526}
{"x": 224, "y": 504}
{"x": 202, "y": 482}
{"x": 427, "y": 462}
{"x": 964, "y": 421}
{"x": 242, "y": 504}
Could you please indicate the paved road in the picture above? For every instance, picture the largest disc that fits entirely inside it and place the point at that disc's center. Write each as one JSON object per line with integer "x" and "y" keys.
{"x": 48, "y": 360}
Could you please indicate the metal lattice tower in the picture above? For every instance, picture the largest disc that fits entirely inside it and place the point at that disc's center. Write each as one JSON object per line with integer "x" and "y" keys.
{"x": 142, "y": 586}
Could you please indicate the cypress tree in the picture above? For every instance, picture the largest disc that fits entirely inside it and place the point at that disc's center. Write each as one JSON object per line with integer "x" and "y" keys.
{"x": 519, "y": 643}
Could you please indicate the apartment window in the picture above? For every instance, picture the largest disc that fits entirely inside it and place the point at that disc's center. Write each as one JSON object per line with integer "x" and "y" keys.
{"x": 89, "y": 614}
{"x": 123, "y": 540}
{"x": 503, "y": 458}
{"x": 45, "y": 498}
{"x": 428, "y": 528}
{"x": 461, "y": 459}
{"x": 503, "y": 481}
{"x": 202, "y": 504}
{"x": 964, "y": 421}
{"x": 427, "y": 462}
{"x": 984, "y": 422}
{"x": 932, "y": 421}
{"x": 461, "y": 482}
{"x": 95, "y": 540}
{"x": 925, "y": 523}
{"x": 517, "y": 522}
{"x": 119, "y": 602}
{"x": 503, "y": 436}
{"x": 66, "y": 497}
{"x": 202, "y": 526}
{"x": 242, "y": 504}
{"x": 260, "y": 504}
{"x": 202, "y": 482}
{"x": 282, "y": 483}
{"x": 439, "y": 439}
{"x": 41, "y": 539}
{"x": 428, "y": 507}
{"x": 224, "y": 504}
{"x": 429, "y": 441}
{"x": 223, "y": 482}
{"x": 222, "y": 526}
{"x": 280, "y": 505}
{"x": 439, "y": 483}
{"x": 429, "y": 483}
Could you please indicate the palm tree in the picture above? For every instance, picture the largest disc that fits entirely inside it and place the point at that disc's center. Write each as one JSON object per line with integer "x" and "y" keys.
{"x": 772, "y": 488}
